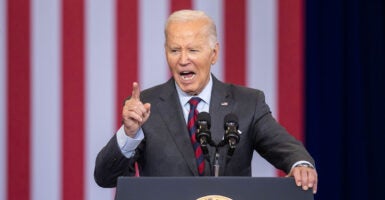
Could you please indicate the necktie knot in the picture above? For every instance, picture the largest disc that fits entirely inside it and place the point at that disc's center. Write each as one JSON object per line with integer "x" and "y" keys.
{"x": 194, "y": 101}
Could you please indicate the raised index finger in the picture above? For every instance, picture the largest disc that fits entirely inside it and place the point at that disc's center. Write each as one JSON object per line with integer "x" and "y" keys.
{"x": 135, "y": 91}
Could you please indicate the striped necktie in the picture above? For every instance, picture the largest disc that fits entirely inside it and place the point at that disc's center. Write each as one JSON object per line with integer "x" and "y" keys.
{"x": 192, "y": 117}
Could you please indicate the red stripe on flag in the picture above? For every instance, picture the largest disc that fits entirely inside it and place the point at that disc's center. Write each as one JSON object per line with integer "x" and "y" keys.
{"x": 73, "y": 91}
{"x": 235, "y": 42}
{"x": 180, "y": 4}
{"x": 19, "y": 98}
{"x": 290, "y": 66}
{"x": 127, "y": 50}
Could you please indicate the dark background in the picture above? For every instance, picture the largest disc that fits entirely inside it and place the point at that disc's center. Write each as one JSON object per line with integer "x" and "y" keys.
{"x": 345, "y": 101}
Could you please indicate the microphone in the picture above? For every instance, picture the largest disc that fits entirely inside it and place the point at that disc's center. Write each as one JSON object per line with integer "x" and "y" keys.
{"x": 231, "y": 131}
{"x": 203, "y": 134}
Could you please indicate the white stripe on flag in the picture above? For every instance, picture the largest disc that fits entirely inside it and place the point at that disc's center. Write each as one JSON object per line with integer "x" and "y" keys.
{"x": 46, "y": 100}
{"x": 261, "y": 48}
{"x": 100, "y": 87}
{"x": 261, "y": 62}
{"x": 153, "y": 68}
{"x": 214, "y": 9}
{"x": 3, "y": 100}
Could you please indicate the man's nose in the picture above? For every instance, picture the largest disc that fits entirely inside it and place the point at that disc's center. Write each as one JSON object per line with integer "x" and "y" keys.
{"x": 184, "y": 58}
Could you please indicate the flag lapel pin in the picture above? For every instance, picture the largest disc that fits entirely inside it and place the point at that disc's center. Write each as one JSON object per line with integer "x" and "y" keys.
{"x": 224, "y": 103}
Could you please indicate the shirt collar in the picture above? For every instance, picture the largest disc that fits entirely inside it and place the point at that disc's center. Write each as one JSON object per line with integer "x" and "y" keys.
{"x": 205, "y": 95}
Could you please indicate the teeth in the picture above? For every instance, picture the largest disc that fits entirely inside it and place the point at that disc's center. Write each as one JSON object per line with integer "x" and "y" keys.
{"x": 188, "y": 77}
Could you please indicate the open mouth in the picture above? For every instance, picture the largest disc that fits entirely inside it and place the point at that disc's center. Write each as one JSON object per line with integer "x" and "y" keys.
{"x": 187, "y": 75}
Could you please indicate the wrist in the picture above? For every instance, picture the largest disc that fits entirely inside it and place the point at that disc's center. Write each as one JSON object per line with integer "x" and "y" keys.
{"x": 131, "y": 134}
{"x": 304, "y": 165}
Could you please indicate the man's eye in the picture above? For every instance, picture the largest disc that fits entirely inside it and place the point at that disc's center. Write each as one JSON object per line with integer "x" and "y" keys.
{"x": 174, "y": 50}
{"x": 193, "y": 50}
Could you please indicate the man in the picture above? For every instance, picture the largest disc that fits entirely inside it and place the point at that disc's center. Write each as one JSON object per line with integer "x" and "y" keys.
{"x": 154, "y": 137}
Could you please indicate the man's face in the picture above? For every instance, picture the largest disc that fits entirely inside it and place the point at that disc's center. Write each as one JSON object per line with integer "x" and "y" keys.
{"x": 189, "y": 55}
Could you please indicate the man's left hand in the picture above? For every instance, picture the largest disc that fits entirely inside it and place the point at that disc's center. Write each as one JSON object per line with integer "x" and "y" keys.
{"x": 306, "y": 177}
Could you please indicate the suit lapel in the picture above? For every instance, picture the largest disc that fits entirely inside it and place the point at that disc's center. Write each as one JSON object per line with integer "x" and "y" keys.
{"x": 172, "y": 114}
{"x": 221, "y": 104}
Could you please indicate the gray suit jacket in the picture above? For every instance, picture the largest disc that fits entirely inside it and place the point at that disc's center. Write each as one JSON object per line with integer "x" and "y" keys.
{"x": 167, "y": 150}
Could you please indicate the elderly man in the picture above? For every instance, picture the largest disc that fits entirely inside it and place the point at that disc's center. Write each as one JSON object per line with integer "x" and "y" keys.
{"x": 158, "y": 134}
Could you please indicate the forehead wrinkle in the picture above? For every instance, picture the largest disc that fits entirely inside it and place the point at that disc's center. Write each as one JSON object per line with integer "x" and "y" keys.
{"x": 187, "y": 40}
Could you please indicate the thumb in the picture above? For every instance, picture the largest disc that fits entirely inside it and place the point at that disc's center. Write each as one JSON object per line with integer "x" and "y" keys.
{"x": 147, "y": 106}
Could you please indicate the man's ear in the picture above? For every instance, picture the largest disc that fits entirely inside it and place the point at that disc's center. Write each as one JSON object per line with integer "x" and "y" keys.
{"x": 215, "y": 53}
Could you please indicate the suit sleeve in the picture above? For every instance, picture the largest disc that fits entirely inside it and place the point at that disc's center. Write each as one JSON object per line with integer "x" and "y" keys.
{"x": 273, "y": 142}
{"x": 111, "y": 163}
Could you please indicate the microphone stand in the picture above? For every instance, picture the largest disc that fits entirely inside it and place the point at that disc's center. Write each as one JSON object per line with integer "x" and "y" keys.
{"x": 216, "y": 163}
{"x": 217, "y": 156}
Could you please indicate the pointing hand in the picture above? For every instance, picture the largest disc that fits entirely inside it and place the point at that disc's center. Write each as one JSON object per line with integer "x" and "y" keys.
{"x": 134, "y": 112}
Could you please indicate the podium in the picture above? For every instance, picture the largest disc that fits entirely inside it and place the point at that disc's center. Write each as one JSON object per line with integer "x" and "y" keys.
{"x": 210, "y": 188}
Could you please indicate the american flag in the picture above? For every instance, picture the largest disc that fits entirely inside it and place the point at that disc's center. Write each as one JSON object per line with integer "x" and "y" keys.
{"x": 67, "y": 65}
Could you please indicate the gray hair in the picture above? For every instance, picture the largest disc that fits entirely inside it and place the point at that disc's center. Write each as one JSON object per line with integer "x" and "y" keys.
{"x": 192, "y": 15}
